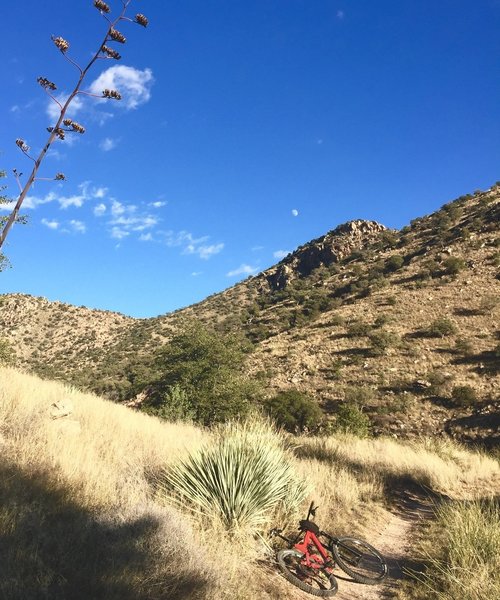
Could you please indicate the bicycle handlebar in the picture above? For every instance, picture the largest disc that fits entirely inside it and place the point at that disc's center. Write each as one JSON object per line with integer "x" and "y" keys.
{"x": 312, "y": 510}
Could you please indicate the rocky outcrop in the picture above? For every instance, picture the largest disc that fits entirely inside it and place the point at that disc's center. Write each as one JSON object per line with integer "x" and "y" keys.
{"x": 331, "y": 248}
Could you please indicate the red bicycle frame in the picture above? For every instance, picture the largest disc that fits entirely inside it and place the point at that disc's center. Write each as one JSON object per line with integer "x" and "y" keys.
{"x": 310, "y": 559}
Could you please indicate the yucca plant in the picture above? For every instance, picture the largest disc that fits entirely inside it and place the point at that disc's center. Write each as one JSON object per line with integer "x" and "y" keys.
{"x": 238, "y": 479}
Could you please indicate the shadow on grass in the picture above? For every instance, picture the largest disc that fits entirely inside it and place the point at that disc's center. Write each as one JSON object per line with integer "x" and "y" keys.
{"x": 52, "y": 548}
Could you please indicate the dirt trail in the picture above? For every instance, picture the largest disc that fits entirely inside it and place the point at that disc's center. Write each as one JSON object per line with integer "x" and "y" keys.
{"x": 394, "y": 541}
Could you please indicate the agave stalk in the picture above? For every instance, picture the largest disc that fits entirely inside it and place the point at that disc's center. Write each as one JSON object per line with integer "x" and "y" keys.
{"x": 57, "y": 131}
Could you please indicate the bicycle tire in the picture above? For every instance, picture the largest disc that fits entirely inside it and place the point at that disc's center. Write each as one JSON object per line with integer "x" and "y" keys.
{"x": 359, "y": 559}
{"x": 321, "y": 582}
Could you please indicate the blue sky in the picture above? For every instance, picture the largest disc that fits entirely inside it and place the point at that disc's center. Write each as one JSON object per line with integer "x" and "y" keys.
{"x": 246, "y": 129}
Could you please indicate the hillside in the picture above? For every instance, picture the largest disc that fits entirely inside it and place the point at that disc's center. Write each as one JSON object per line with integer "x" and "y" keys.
{"x": 407, "y": 320}
{"x": 82, "y": 513}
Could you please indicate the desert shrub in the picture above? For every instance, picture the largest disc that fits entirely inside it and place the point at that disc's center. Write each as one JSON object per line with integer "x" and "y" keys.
{"x": 388, "y": 238}
{"x": 358, "y": 329}
{"x": 430, "y": 269}
{"x": 391, "y": 300}
{"x": 359, "y": 395}
{"x": 174, "y": 405}
{"x": 381, "y": 341}
{"x": 381, "y": 320}
{"x": 438, "y": 381}
{"x": 464, "y": 395}
{"x": 441, "y": 327}
{"x": 294, "y": 411}
{"x": 394, "y": 262}
{"x": 7, "y": 354}
{"x": 351, "y": 419}
{"x": 488, "y": 304}
{"x": 464, "y": 346}
{"x": 453, "y": 265}
{"x": 237, "y": 479}
{"x": 335, "y": 370}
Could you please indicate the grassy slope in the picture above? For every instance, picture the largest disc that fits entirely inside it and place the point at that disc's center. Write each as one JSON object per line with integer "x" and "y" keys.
{"x": 79, "y": 519}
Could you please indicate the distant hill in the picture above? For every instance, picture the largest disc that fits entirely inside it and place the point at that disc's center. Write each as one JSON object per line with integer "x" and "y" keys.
{"x": 408, "y": 319}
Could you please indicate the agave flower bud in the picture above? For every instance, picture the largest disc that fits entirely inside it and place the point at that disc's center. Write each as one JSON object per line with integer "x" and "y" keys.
{"x": 110, "y": 52}
{"x": 77, "y": 127}
{"x": 60, "y": 177}
{"x": 102, "y": 6}
{"x": 67, "y": 122}
{"x": 22, "y": 144}
{"x": 111, "y": 94}
{"x": 59, "y": 132}
{"x": 115, "y": 35}
{"x": 141, "y": 20}
{"x": 46, "y": 84}
{"x": 61, "y": 43}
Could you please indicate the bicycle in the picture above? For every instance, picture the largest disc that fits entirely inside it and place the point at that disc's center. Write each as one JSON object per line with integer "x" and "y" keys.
{"x": 309, "y": 565}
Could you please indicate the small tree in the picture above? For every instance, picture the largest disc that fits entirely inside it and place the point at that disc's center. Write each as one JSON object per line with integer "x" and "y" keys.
{"x": 63, "y": 125}
{"x": 205, "y": 369}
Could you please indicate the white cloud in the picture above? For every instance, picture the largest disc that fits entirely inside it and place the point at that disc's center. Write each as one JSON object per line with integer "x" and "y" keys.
{"x": 99, "y": 192}
{"x": 118, "y": 233}
{"x": 192, "y": 245}
{"x": 53, "y": 110}
{"x": 196, "y": 273}
{"x": 340, "y": 14}
{"x": 15, "y": 108}
{"x": 146, "y": 237}
{"x": 108, "y": 144}
{"x": 281, "y": 254}
{"x": 206, "y": 252}
{"x": 295, "y": 212}
{"x": 157, "y": 204}
{"x": 8, "y": 207}
{"x": 77, "y": 226}
{"x": 138, "y": 223}
{"x": 242, "y": 270}
{"x": 34, "y": 201}
{"x": 99, "y": 210}
{"x": 50, "y": 224}
{"x": 117, "y": 208}
{"x": 133, "y": 84}
{"x": 75, "y": 200}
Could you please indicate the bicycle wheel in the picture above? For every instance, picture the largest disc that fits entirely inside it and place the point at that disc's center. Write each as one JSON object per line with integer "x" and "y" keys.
{"x": 359, "y": 560}
{"x": 319, "y": 582}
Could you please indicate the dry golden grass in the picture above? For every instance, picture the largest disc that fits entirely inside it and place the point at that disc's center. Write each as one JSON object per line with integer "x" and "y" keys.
{"x": 79, "y": 516}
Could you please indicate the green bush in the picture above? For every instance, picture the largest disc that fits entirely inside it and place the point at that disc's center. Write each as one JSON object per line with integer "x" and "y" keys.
{"x": 453, "y": 265}
{"x": 237, "y": 479}
{"x": 381, "y": 341}
{"x": 464, "y": 346}
{"x": 351, "y": 419}
{"x": 294, "y": 411}
{"x": 358, "y": 329}
{"x": 394, "y": 263}
{"x": 7, "y": 354}
{"x": 441, "y": 327}
{"x": 359, "y": 395}
{"x": 438, "y": 381}
{"x": 464, "y": 395}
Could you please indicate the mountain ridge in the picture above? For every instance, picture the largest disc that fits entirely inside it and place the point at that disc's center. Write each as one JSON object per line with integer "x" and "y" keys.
{"x": 354, "y": 307}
